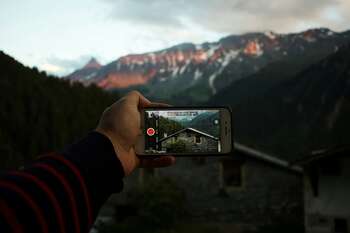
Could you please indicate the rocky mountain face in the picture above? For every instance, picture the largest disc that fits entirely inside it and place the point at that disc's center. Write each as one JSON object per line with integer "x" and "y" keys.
{"x": 189, "y": 73}
{"x": 292, "y": 110}
{"x": 92, "y": 64}
{"x": 85, "y": 74}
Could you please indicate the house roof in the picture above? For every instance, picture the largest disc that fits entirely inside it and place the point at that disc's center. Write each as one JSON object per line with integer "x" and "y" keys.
{"x": 316, "y": 155}
{"x": 189, "y": 129}
{"x": 266, "y": 157}
{"x": 256, "y": 154}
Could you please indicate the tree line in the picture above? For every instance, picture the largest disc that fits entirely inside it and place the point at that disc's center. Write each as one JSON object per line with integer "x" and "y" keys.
{"x": 40, "y": 113}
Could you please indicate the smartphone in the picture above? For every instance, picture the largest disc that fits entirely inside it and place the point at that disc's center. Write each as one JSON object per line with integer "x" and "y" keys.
{"x": 185, "y": 131}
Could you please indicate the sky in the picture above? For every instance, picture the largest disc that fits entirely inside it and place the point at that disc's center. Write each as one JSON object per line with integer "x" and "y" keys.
{"x": 61, "y": 36}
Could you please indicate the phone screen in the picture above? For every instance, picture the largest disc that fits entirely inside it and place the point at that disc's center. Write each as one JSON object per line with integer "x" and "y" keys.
{"x": 182, "y": 131}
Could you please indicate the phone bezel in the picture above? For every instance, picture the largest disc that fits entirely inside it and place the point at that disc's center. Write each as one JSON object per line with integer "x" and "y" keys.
{"x": 140, "y": 145}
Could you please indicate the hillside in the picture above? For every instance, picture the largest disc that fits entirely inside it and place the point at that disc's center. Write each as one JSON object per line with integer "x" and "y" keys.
{"x": 205, "y": 123}
{"x": 190, "y": 74}
{"x": 305, "y": 110}
{"x": 41, "y": 113}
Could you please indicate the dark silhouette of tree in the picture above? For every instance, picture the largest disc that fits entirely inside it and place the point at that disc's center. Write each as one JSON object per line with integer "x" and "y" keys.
{"x": 41, "y": 113}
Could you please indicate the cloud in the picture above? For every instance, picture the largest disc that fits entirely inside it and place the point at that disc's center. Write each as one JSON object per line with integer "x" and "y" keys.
{"x": 233, "y": 16}
{"x": 151, "y": 12}
{"x": 138, "y": 26}
{"x": 50, "y": 68}
{"x": 63, "y": 66}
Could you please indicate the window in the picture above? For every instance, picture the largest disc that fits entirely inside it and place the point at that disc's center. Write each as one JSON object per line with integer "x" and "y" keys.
{"x": 232, "y": 173}
{"x": 340, "y": 225}
{"x": 330, "y": 167}
{"x": 198, "y": 139}
{"x": 314, "y": 179}
{"x": 316, "y": 220}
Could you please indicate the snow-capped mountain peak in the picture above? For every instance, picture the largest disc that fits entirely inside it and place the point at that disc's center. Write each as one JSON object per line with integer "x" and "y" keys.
{"x": 211, "y": 66}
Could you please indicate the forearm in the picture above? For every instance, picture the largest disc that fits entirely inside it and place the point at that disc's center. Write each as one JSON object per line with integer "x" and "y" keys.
{"x": 61, "y": 192}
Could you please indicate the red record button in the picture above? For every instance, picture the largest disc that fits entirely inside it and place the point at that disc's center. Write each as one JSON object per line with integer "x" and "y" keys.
{"x": 150, "y": 131}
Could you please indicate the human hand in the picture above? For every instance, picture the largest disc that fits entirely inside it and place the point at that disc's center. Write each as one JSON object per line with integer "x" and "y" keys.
{"x": 121, "y": 123}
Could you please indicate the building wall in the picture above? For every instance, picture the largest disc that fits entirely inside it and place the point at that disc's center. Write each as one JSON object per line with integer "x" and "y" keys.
{"x": 206, "y": 145}
{"x": 268, "y": 194}
{"x": 260, "y": 200}
{"x": 332, "y": 202}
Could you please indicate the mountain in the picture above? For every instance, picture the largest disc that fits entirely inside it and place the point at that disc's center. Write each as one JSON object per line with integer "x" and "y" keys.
{"x": 205, "y": 123}
{"x": 92, "y": 64}
{"x": 86, "y": 73}
{"x": 299, "y": 111}
{"x": 190, "y": 73}
{"x": 269, "y": 76}
{"x": 41, "y": 113}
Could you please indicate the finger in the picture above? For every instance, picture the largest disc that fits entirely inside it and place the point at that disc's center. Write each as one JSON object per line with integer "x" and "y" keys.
{"x": 137, "y": 159}
{"x": 157, "y": 162}
{"x": 138, "y": 99}
{"x": 143, "y": 102}
{"x": 159, "y": 105}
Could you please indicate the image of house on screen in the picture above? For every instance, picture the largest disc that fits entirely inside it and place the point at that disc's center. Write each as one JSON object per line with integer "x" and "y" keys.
{"x": 189, "y": 140}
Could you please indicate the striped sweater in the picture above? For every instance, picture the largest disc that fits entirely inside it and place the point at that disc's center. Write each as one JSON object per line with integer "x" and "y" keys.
{"x": 61, "y": 192}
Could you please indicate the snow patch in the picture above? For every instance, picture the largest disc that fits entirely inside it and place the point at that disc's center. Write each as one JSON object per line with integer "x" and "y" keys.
{"x": 90, "y": 76}
{"x": 211, "y": 82}
{"x": 212, "y": 49}
{"x": 198, "y": 47}
{"x": 330, "y": 33}
{"x": 182, "y": 69}
{"x": 197, "y": 74}
{"x": 118, "y": 66}
{"x": 153, "y": 58}
{"x": 310, "y": 39}
{"x": 270, "y": 35}
{"x": 232, "y": 54}
{"x": 175, "y": 71}
{"x": 334, "y": 115}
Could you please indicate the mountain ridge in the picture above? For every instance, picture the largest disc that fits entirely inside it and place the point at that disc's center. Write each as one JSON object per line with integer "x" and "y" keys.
{"x": 307, "y": 111}
{"x": 202, "y": 70}
{"x": 92, "y": 63}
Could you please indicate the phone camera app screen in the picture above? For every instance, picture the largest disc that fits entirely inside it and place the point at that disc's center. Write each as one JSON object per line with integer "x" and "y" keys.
{"x": 182, "y": 131}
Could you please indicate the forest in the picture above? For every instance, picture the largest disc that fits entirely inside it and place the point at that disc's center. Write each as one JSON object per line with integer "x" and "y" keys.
{"x": 41, "y": 113}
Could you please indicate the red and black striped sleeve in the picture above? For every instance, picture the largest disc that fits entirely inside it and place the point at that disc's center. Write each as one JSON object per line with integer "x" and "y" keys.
{"x": 61, "y": 192}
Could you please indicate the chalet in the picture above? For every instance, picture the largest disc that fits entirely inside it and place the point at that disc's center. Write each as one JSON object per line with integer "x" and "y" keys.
{"x": 247, "y": 189}
{"x": 327, "y": 190}
{"x": 192, "y": 140}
